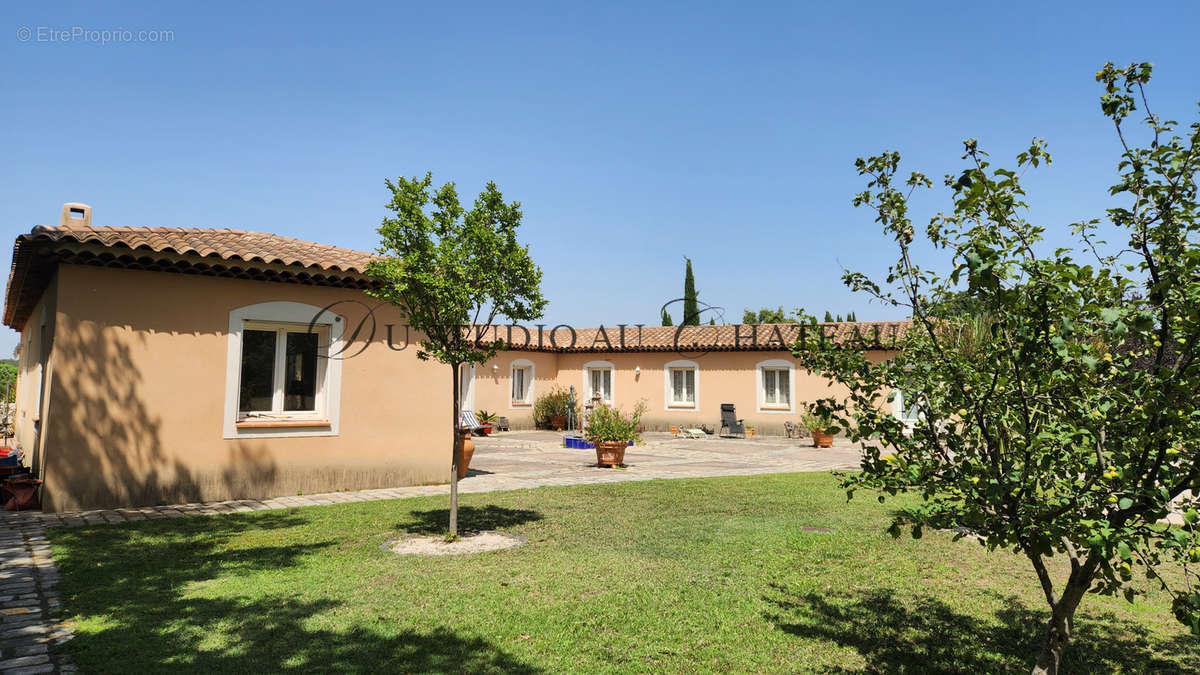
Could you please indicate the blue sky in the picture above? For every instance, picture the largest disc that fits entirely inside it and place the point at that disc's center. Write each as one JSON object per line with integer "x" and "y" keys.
{"x": 633, "y": 135}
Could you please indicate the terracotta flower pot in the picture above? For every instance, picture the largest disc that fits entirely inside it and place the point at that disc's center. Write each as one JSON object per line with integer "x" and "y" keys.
{"x": 749, "y": 432}
{"x": 610, "y": 453}
{"x": 24, "y": 493}
{"x": 558, "y": 422}
{"x": 486, "y": 428}
{"x": 821, "y": 439}
{"x": 465, "y": 452}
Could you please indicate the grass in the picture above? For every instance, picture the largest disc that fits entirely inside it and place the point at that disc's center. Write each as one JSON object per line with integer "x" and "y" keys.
{"x": 678, "y": 576}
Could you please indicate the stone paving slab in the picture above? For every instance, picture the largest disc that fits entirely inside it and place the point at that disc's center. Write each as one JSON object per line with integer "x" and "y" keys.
{"x": 29, "y": 604}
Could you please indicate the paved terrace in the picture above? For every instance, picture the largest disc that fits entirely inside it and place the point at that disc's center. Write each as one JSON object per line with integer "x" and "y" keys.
{"x": 29, "y": 601}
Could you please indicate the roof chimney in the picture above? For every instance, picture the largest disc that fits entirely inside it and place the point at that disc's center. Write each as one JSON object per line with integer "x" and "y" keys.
{"x": 75, "y": 214}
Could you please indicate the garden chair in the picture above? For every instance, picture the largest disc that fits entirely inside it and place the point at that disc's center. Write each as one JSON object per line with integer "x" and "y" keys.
{"x": 468, "y": 421}
{"x": 791, "y": 430}
{"x": 502, "y": 424}
{"x": 731, "y": 426}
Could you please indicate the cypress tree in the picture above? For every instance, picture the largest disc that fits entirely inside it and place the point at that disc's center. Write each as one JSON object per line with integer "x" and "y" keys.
{"x": 691, "y": 308}
{"x": 666, "y": 319}
{"x": 828, "y": 317}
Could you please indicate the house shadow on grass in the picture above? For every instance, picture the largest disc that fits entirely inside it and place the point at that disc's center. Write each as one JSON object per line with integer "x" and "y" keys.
{"x": 470, "y": 518}
{"x": 924, "y": 634}
{"x": 159, "y": 596}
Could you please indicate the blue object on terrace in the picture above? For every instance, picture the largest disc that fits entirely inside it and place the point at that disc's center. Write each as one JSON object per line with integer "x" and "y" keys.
{"x": 578, "y": 442}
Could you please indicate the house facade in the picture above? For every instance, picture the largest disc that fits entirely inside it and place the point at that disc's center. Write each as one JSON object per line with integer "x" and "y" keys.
{"x": 169, "y": 365}
{"x": 682, "y": 374}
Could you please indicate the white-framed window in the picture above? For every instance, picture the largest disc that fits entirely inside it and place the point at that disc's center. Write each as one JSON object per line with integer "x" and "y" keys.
{"x": 280, "y": 380}
{"x": 776, "y": 384}
{"x": 905, "y": 408}
{"x": 680, "y": 386}
{"x": 598, "y": 379}
{"x": 521, "y": 376}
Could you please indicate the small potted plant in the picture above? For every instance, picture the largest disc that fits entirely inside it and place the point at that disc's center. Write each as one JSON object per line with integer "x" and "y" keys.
{"x": 611, "y": 431}
{"x": 486, "y": 419}
{"x": 749, "y": 431}
{"x": 820, "y": 425}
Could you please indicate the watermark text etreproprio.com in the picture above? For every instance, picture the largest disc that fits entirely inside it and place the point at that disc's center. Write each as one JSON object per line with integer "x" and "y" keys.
{"x": 101, "y": 36}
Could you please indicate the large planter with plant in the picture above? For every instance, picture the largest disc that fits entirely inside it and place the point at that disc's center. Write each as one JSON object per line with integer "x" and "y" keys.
{"x": 820, "y": 427}
{"x": 550, "y": 410}
{"x": 611, "y": 453}
{"x": 611, "y": 431}
{"x": 466, "y": 451}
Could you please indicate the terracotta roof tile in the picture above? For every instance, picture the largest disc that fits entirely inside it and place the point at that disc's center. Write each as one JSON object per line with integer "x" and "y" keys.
{"x": 323, "y": 264}
{"x": 699, "y": 339}
{"x": 212, "y": 250}
{"x": 227, "y": 244}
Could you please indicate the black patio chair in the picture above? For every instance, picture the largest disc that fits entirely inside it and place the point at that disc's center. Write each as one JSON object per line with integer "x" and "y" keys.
{"x": 731, "y": 426}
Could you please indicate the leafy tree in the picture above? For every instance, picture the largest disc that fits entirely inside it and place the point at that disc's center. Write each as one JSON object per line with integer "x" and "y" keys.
{"x": 666, "y": 319}
{"x": 955, "y": 304}
{"x": 8, "y": 377}
{"x": 8, "y": 390}
{"x": 691, "y": 306}
{"x": 1063, "y": 417}
{"x": 766, "y": 315}
{"x": 448, "y": 268}
{"x": 828, "y": 317}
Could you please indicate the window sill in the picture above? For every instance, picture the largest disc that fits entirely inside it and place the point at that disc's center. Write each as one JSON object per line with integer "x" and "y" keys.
{"x": 681, "y": 406}
{"x": 521, "y": 404}
{"x": 282, "y": 424}
{"x": 775, "y": 408}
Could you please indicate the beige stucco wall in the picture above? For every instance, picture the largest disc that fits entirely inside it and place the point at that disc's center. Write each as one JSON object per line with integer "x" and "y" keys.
{"x": 722, "y": 377}
{"x": 493, "y": 385}
{"x": 135, "y": 408}
{"x": 34, "y": 367}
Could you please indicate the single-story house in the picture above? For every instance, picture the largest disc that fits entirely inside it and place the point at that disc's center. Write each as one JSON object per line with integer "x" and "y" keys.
{"x": 167, "y": 365}
{"x": 682, "y": 374}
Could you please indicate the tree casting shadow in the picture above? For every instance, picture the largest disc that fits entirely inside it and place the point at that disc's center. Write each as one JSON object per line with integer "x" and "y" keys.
{"x": 470, "y": 518}
{"x": 923, "y": 634}
{"x": 154, "y": 587}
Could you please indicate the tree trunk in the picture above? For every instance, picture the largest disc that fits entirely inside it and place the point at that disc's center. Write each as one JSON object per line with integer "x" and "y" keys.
{"x": 1061, "y": 625}
{"x": 454, "y": 451}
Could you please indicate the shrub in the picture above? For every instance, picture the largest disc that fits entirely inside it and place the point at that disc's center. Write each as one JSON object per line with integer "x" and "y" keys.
{"x": 608, "y": 423}
{"x": 816, "y": 417}
{"x": 555, "y": 402}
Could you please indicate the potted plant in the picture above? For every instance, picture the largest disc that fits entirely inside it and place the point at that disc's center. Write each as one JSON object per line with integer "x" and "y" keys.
{"x": 611, "y": 431}
{"x": 820, "y": 424}
{"x": 550, "y": 410}
{"x": 749, "y": 431}
{"x": 486, "y": 419}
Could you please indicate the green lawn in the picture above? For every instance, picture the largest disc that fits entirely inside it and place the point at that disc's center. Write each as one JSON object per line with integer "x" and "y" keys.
{"x": 681, "y": 576}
